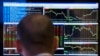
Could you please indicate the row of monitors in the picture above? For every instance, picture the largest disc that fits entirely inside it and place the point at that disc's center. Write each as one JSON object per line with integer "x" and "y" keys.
{"x": 14, "y": 14}
{"x": 66, "y": 34}
{"x": 71, "y": 36}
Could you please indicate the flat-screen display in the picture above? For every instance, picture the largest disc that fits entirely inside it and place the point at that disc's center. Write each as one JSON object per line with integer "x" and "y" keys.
{"x": 76, "y": 25}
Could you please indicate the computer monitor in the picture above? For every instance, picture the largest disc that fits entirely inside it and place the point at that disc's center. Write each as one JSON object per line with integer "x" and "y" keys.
{"x": 74, "y": 23}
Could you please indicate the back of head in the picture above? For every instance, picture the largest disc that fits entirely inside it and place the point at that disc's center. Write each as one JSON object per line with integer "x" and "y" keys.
{"x": 35, "y": 29}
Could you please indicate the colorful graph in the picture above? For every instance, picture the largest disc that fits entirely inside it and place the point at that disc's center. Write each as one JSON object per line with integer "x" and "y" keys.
{"x": 66, "y": 33}
{"x": 59, "y": 31}
{"x": 10, "y": 35}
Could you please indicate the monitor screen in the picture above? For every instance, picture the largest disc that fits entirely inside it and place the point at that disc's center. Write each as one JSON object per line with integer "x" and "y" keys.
{"x": 76, "y": 25}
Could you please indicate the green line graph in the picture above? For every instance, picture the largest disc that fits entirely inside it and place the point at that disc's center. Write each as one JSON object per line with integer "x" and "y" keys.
{"x": 94, "y": 34}
{"x": 67, "y": 14}
{"x": 62, "y": 13}
{"x": 82, "y": 48}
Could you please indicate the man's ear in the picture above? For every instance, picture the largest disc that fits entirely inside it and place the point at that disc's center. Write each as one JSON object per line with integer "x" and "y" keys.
{"x": 18, "y": 46}
{"x": 55, "y": 42}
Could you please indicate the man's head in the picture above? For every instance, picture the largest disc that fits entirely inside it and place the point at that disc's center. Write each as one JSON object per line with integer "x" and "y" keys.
{"x": 36, "y": 35}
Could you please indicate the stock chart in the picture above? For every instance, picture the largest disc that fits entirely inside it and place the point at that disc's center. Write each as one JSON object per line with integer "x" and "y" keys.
{"x": 77, "y": 29}
{"x": 78, "y": 38}
{"x": 72, "y": 15}
{"x": 85, "y": 48}
{"x": 81, "y": 33}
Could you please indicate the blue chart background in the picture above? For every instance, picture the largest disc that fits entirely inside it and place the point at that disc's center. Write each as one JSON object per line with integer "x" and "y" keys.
{"x": 11, "y": 14}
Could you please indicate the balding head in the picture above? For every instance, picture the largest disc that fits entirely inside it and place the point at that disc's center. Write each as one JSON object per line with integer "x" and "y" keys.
{"x": 37, "y": 23}
{"x": 35, "y": 29}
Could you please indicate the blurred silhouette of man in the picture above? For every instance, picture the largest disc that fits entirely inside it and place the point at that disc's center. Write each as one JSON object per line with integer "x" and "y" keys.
{"x": 36, "y": 36}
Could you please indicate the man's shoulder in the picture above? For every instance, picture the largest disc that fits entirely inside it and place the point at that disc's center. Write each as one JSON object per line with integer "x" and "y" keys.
{"x": 44, "y": 54}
